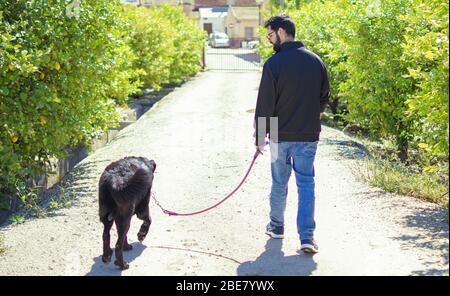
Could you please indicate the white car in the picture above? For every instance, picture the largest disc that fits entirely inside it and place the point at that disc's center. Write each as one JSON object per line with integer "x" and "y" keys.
{"x": 219, "y": 40}
{"x": 252, "y": 44}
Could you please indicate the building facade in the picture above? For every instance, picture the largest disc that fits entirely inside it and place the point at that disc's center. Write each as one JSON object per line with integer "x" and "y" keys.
{"x": 240, "y": 22}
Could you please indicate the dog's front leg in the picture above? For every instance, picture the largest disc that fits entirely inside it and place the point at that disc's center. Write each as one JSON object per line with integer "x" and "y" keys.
{"x": 122, "y": 225}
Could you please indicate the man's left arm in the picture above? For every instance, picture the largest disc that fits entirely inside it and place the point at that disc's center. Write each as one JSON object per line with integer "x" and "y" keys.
{"x": 325, "y": 89}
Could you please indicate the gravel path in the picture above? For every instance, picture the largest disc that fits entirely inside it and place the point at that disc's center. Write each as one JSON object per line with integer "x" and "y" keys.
{"x": 200, "y": 136}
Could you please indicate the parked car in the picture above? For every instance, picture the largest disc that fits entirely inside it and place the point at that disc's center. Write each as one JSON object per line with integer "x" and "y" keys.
{"x": 218, "y": 39}
{"x": 252, "y": 44}
{"x": 210, "y": 39}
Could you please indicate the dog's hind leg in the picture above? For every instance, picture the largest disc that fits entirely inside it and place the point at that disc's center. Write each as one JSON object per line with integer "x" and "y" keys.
{"x": 144, "y": 215}
{"x": 107, "y": 252}
{"x": 122, "y": 225}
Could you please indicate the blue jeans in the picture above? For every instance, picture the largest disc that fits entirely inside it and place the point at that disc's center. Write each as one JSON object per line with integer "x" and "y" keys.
{"x": 299, "y": 156}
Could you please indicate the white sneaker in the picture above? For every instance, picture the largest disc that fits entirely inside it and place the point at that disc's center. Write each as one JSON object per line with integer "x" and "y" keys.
{"x": 309, "y": 246}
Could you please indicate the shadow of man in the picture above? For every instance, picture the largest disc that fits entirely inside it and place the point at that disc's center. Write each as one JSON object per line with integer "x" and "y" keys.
{"x": 100, "y": 268}
{"x": 272, "y": 262}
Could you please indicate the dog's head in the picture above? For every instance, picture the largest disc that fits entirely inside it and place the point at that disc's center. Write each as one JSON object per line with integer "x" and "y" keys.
{"x": 150, "y": 163}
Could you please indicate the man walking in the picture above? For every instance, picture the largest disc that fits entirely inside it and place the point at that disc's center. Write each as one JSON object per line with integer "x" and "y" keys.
{"x": 293, "y": 93}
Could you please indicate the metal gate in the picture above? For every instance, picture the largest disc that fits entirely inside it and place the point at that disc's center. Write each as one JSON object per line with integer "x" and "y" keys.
{"x": 232, "y": 59}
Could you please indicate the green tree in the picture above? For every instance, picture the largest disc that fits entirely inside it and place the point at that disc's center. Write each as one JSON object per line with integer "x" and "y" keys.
{"x": 375, "y": 90}
{"x": 58, "y": 72}
{"x": 425, "y": 53}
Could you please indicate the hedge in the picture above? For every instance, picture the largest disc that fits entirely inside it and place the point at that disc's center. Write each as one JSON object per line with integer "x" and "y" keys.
{"x": 388, "y": 65}
{"x": 64, "y": 69}
{"x": 168, "y": 44}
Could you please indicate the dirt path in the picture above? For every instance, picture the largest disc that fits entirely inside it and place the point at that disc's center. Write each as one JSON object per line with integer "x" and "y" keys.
{"x": 201, "y": 139}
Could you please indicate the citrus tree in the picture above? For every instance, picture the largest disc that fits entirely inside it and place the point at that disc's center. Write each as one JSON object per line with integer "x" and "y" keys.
{"x": 63, "y": 68}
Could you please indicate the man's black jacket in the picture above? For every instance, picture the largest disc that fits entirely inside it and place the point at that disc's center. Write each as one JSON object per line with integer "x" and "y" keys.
{"x": 295, "y": 88}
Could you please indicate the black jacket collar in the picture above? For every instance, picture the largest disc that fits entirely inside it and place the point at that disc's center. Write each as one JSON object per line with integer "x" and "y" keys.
{"x": 290, "y": 45}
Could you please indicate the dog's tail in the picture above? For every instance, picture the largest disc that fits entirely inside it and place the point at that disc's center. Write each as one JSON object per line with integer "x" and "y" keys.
{"x": 135, "y": 188}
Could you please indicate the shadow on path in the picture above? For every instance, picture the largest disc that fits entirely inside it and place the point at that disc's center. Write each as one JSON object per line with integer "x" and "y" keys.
{"x": 73, "y": 187}
{"x": 272, "y": 262}
{"x": 433, "y": 226}
{"x": 100, "y": 268}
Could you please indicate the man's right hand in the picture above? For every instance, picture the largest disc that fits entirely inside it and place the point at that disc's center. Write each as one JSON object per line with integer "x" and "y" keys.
{"x": 261, "y": 148}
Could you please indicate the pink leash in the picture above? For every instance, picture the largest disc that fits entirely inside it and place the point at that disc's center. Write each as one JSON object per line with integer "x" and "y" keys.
{"x": 170, "y": 213}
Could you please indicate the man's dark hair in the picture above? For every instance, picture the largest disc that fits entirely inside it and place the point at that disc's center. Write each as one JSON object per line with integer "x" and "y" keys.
{"x": 281, "y": 21}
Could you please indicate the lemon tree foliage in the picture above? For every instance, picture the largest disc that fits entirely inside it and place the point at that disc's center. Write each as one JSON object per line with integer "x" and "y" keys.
{"x": 168, "y": 44}
{"x": 64, "y": 68}
{"x": 57, "y": 72}
{"x": 388, "y": 66}
{"x": 425, "y": 52}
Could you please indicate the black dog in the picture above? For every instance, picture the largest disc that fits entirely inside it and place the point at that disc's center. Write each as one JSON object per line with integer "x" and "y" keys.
{"x": 124, "y": 190}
